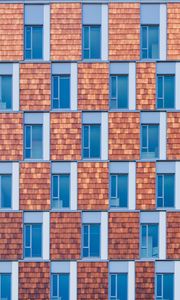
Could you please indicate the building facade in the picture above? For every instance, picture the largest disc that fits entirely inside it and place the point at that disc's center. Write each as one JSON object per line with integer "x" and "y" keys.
{"x": 89, "y": 150}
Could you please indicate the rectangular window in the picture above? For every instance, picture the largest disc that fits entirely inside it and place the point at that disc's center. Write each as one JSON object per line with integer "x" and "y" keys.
{"x": 119, "y": 190}
{"x": 149, "y": 241}
{"x": 165, "y": 286}
{"x": 5, "y": 92}
{"x": 60, "y": 286}
{"x": 61, "y": 191}
{"x": 118, "y": 286}
{"x": 149, "y": 141}
{"x": 91, "y": 141}
{"x": 33, "y": 141}
{"x": 5, "y": 191}
{"x": 92, "y": 42}
{"x": 165, "y": 190}
{"x": 119, "y": 91}
{"x": 60, "y": 91}
{"x": 165, "y": 91}
{"x": 32, "y": 240}
{"x": 91, "y": 240}
{"x": 5, "y": 286}
{"x": 33, "y": 42}
{"x": 150, "y": 41}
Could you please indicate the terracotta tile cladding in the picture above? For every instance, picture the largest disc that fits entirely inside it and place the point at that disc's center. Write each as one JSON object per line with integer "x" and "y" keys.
{"x": 65, "y": 235}
{"x": 34, "y": 280}
{"x": 146, "y": 185}
{"x": 11, "y": 136}
{"x": 93, "y": 86}
{"x": 124, "y": 135}
{"x": 124, "y": 31}
{"x": 66, "y": 31}
{"x": 173, "y": 235}
{"x": 92, "y": 280}
{"x": 66, "y": 136}
{"x": 35, "y": 87}
{"x": 146, "y": 86}
{"x": 173, "y": 30}
{"x": 123, "y": 235}
{"x": 173, "y": 135}
{"x": 35, "y": 186}
{"x": 145, "y": 273}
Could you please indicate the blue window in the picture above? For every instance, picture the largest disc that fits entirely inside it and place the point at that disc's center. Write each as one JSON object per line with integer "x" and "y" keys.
{"x": 33, "y": 42}
{"x": 61, "y": 91}
{"x": 91, "y": 42}
{"x": 150, "y": 42}
{"x": 60, "y": 191}
{"x": 5, "y": 191}
{"x": 119, "y": 190}
{"x": 165, "y": 91}
{"x": 149, "y": 241}
{"x": 91, "y": 141}
{"x": 119, "y": 91}
{"x": 33, "y": 141}
{"x": 5, "y": 92}
{"x": 60, "y": 286}
{"x": 165, "y": 190}
{"x": 5, "y": 286}
{"x": 118, "y": 286}
{"x": 91, "y": 240}
{"x": 165, "y": 286}
{"x": 32, "y": 240}
{"x": 149, "y": 141}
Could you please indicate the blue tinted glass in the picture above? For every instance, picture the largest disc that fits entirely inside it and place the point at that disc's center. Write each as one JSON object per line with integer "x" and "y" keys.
{"x": 37, "y": 141}
{"x": 64, "y": 190}
{"x": 64, "y": 286}
{"x": 159, "y": 285}
{"x": 168, "y": 286}
{"x": 85, "y": 240}
{"x": 122, "y": 286}
{"x": 153, "y": 241}
{"x": 85, "y": 141}
{"x": 144, "y": 234}
{"x": 123, "y": 190}
{"x": 5, "y": 286}
{"x": 159, "y": 191}
{"x": 6, "y": 92}
{"x": 160, "y": 92}
{"x": 36, "y": 240}
{"x": 113, "y": 285}
{"x": 5, "y": 191}
{"x": 153, "y": 41}
{"x": 95, "y": 43}
{"x": 37, "y": 40}
{"x": 144, "y": 37}
{"x": 95, "y": 137}
{"x": 94, "y": 240}
{"x": 85, "y": 41}
{"x": 113, "y": 185}
{"x": 28, "y": 52}
{"x": 54, "y": 285}
{"x": 153, "y": 141}
{"x": 28, "y": 136}
{"x": 55, "y": 81}
{"x": 123, "y": 91}
{"x": 169, "y": 91}
{"x": 113, "y": 86}
{"x": 169, "y": 190}
{"x": 27, "y": 242}
{"x": 64, "y": 91}
{"x": 144, "y": 136}
{"x": 55, "y": 186}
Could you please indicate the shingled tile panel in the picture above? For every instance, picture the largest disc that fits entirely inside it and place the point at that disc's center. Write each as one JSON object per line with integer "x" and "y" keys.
{"x": 145, "y": 278}
{"x": 173, "y": 30}
{"x": 173, "y": 235}
{"x": 173, "y": 135}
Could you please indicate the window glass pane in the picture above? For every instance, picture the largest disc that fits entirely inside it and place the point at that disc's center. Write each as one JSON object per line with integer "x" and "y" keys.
{"x": 113, "y": 86}
{"x": 86, "y": 38}
{"x": 168, "y": 286}
{"x": 85, "y": 240}
{"x": 153, "y": 141}
{"x": 159, "y": 191}
{"x": 64, "y": 287}
{"x": 5, "y": 191}
{"x": 64, "y": 190}
{"x": 55, "y": 186}
{"x": 144, "y": 233}
{"x": 94, "y": 240}
{"x": 64, "y": 92}
{"x": 160, "y": 92}
{"x": 152, "y": 241}
{"x": 95, "y": 44}
{"x": 5, "y": 287}
{"x": 113, "y": 285}
{"x": 169, "y": 91}
{"x": 144, "y": 37}
{"x": 144, "y": 137}
{"x": 169, "y": 190}
{"x": 153, "y": 42}
{"x": 37, "y": 141}
{"x": 28, "y": 42}
{"x": 36, "y": 240}
{"x": 55, "y": 91}
{"x": 123, "y": 91}
{"x": 113, "y": 185}
{"x": 37, "y": 41}
{"x": 95, "y": 137}
{"x": 28, "y": 136}
{"x": 85, "y": 141}
{"x": 123, "y": 190}
{"x": 159, "y": 285}
{"x": 6, "y": 92}
{"x": 122, "y": 286}
{"x": 27, "y": 230}
{"x": 54, "y": 285}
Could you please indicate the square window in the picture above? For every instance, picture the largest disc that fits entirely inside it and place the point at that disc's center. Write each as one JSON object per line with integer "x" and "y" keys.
{"x": 61, "y": 91}
{"x": 119, "y": 91}
{"x": 92, "y": 42}
{"x": 60, "y": 191}
{"x": 33, "y": 42}
{"x": 91, "y": 141}
{"x": 5, "y": 191}
{"x": 91, "y": 240}
{"x": 150, "y": 42}
{"x": 164, "y": 286}
{"x": 165, "y": 190}
{"x": 165, "y": 91}
{"x": 33, "y": 148}
{"x": 149, "y": 141}
{"x": 149, "y": 241}
{"x": 119, "y": 190}
{"x": 60, "y": 286}
{"x": 118, "y": 286}
{"x": 32, "y": 240}
{"x": 5, "y": 92}
{"x": 5, "y": 286}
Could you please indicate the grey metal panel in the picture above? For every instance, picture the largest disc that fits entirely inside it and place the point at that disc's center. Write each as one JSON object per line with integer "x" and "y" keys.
{"x": 150, "y": 117}
{"x": 149, "y": 217}
{"x": 91, "y": 14}
{"x": 150, "y": 14}
{"x": 33, "y": 118}
{"x": 91, "y": 217}
{"x": 119, "y": 68}
{"x": 165, "y": 167}
{"x": 60, "y": 267}
{"x": 164, "y": 266}
{"x": 61, "y": 167}
{"x": 119, "y": 167}
{"x": 166, "y": 68}
{"x": 34, "y": 14}
{"x": 61, "y": 68}
{"x": 91, "y": 118}
{"x": 118, "y": 267}
{"x": 6, "y": 168}
{"x": 6, "y": 69}
{"x": 5, "y": 267}
{"x": 33, "y": 217}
